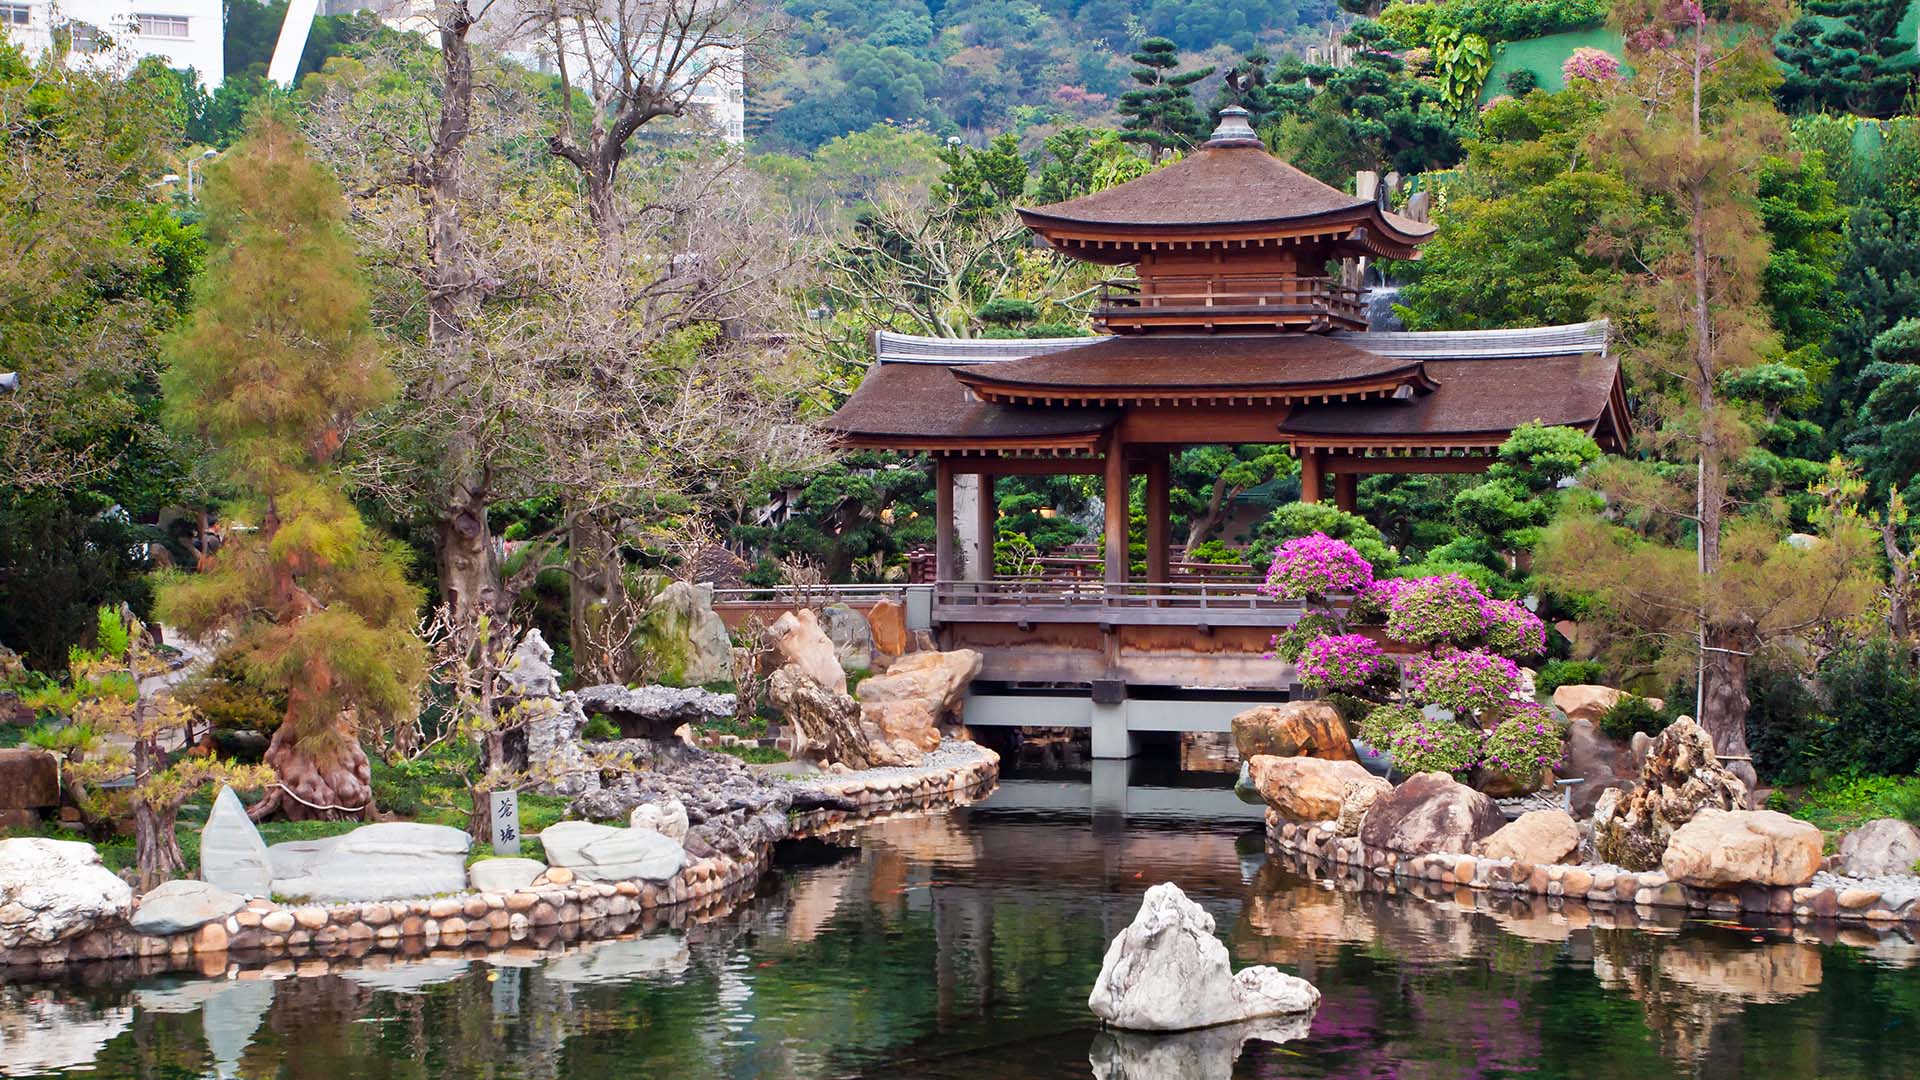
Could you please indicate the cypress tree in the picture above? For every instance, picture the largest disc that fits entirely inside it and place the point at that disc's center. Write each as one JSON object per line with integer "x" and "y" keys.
{"x": 1160, "y": 113}
{"x": 276, "y": 363}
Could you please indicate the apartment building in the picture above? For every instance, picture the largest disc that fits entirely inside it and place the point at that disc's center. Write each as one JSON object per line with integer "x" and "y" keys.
{"x": 110, "y": 33}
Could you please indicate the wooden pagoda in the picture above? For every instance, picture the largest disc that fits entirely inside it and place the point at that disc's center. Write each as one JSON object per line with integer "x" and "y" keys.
{"x": 1232, "y": 331}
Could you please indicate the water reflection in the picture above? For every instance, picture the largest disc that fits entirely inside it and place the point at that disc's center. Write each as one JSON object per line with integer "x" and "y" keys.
{"x": 964, "y": 944}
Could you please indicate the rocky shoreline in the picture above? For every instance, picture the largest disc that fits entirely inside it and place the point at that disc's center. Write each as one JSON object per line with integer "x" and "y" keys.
{"x": 558, "y": 908}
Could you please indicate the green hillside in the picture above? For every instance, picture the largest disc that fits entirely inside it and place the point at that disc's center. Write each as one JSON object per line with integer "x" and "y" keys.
{"x": 1544, "y": 55}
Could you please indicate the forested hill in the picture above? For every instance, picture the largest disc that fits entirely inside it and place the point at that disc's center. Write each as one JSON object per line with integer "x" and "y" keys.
{"x": 983, "y": 66}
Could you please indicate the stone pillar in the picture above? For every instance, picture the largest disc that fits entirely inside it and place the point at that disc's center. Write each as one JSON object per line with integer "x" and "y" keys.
{"x": 1159, "y": 519}
{"x": 1115, "y": 494}
{"x": 1309, "y": 475}
{"x": 1346, "y": 491}
{"x": 1111, "y": 739}
{"x": 944, "y": 568}
{"x": 965, "y": 525}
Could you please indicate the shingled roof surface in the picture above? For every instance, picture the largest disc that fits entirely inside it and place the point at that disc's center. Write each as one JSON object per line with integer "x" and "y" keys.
{"x": 1476, "y": 396}
{"x": 1216, "y": 185}
{"x": 1218, "y": 363}
{"x": 924, "y": 402}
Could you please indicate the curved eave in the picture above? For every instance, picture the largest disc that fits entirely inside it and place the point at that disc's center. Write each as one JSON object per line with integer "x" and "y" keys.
{"x": 1382, "y": 230}
{"x": 920, "y": 443}
{"x": 983, "y": 386}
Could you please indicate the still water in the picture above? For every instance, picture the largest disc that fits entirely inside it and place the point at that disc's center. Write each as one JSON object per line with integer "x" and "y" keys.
{"x": 963, "y": 944}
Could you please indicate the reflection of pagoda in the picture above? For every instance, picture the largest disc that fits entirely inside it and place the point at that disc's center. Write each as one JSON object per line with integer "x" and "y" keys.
{"x": 1233, "y": 333}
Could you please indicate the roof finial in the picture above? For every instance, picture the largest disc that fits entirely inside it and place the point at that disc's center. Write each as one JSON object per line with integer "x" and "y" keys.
{"x": 1234, "y": 129}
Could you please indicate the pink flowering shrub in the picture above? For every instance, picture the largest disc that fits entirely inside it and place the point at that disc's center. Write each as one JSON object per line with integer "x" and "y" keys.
{"x": 1436, "y": 610}
{"x": 1593, "y": 65}
{"x": 1341, "y": 662}
{"x": 1425, "y": 745}
{"x": 1527, "y": 742}
{"x": 1314, "y": 566}
{"x": 1512, "y": 630}
{"x": 1467, "y": 682}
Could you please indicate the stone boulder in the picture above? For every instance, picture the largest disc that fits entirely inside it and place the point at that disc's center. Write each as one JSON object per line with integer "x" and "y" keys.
{"x": 851, "y": 636}
{"x": 937, "y": 681}
{"x": 829, "y": 726}
{"x": 1598, "y": 762}
{"x": 1311, "y": 789}
{"x": 909, "y": 723}
{"x": 51, "y": 890}
{"x": 667, "y": 817}
{"x": 1168, "y": 972}
{"x": 178, "y": 906}
{"x": 1581, "y": 701}
{"x": 1878, "y": 848}
{"x": 1540, "y": 837}
{"x": 1681, "y": 775}
{"x": 504, "y": 875}
{"x": 553, "y": 721}
{"x": 887, "y": 621}
{"x": 683, "y": 639}
{"x": 1295, "y": 729}
{"x": 605, "y": 853}
{"x": 29, "y": 779}
{"x": 797, "y": 637}
{"x": 1206, "y": 1054}
{"x": 389, "y": 860}
{"x": 655, "y": 712}
{"x": 1721, "y": 849}
{"x": 232, "y": 854}
{"x": 1430, "y": 813}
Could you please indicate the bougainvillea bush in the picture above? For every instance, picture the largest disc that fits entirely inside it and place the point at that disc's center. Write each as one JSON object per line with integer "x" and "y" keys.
{"x": 1529, "y": 741}
{"x": 1315, "y": 567}
{"x": 1469, "y": 681}
{"x": 1344, "y": 662}
{"x": 1593, "y": 65}
{"x": 1433, "y": 745}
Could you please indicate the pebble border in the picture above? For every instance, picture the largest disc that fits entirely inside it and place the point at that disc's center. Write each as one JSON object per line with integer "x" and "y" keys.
{"x": 265, "y": 933}
{"x": 1319, "y": 844}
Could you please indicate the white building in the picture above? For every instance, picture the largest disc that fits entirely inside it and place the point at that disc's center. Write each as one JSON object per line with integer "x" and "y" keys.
{"x": 117, "y": 33}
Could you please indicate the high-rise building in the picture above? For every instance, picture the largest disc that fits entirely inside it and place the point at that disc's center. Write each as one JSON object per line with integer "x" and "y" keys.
{"x": 105, "y": 33}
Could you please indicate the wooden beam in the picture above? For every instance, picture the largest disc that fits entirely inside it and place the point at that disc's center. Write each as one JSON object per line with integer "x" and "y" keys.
{"x": 986, "y": 525}
{"x": 1353, "y": 463}
{"x": 1066, "y": 466}
{"x": 1159, "y": 518}
{"x": 1346, "y": 490}
{"x": 1311, "y": 462}
{"x": 1115, "y": 494}
{"x": 943, "y": 538}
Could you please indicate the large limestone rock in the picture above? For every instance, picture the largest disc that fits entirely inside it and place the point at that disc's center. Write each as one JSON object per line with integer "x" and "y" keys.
{"x": 389, "y": 860}
{"x": 830, "y": 726}
{"x": 798, "y": 638}
{"x": 1430, "y": 813}
{"x": 1680, "y": 776}
{"x": 1720, "y": 849}
{"x": 179, "y": 906}
{"x": 1583, "y": 701}
{"x": 1168, "y": 972}
{"x": 1540, "y": 837}
{"x": 1206, "y": 1054}
{"x": 1296, "y": 729}
{"x": 29, "y": 779}
{"x": 1312, "y": 789}
{"x": 888, "y": 622}
{"x": 655, "y": 712}
{"x": 937, "y": 681}
{"x": 1598, "y": 762}
{"x": 682, "y": 637}
{"x": 605, "y": 853}
{"x": 503, "y": 875}
{"x": 553, "y": 721}
{"x": 667, "y": 817}
{"x": 232, "y": 854}
{"x": 1878, "y": 848}
{"x": 51, "y": 890}
{"x": 851, "y": 636}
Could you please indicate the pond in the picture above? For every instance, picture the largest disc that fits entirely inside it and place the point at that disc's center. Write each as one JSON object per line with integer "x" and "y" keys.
{"x": 963, "y": 944}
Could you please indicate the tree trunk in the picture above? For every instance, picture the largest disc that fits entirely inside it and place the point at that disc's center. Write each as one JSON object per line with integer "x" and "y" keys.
{"x": 1723, "y": 700}
{"x": 325, "y": 777}
{"x": 593, "y": 589}
{"x": 469, "y": 566}
{"x": 156, "y": 851}
{"x": 1209, "y": 519}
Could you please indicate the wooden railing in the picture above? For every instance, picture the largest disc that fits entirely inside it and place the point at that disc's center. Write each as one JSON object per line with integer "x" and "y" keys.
{"x": 1201, "y": 295}
{"x": 1170, "y": 603}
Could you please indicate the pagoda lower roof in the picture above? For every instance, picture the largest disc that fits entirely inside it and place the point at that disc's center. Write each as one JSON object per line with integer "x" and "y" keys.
{"x": 1196, "y": 368}
{"x": 1469, "y": 389}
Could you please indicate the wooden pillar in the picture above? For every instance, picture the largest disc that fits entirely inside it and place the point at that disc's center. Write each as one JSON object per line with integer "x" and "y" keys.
{"x": 986, "y": 528}
{"x": 943, "y": 545}
{"x": 1115, "y": 495}
{"x": 1310, "y": 475}
{"x": 1159, "y": 519}
{"x": 1346, "y": 491}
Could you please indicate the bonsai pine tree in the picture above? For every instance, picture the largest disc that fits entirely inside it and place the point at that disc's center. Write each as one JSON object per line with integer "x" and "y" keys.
{"x": 1160, "y": 113}
{"x": 275, "y": 365}
{"x": 1849, "y": 59}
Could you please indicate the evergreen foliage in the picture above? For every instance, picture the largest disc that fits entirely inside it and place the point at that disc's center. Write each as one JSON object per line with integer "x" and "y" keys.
{"x": 1160, "y": 113}
{"x": 1847, "y": 56}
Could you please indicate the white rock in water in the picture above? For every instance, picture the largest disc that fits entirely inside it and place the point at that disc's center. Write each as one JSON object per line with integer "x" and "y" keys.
{"x": 232, "y": 854}
{"x": 668, "y": 818}
{"x": 177, "y": 906}
{"x": 390, "y": 860}
{"x": 51, "y": 890}
{"x": 1167, "y": 972}
{"x": 1207, "y": 1054}
{"x": 606, "y": 853}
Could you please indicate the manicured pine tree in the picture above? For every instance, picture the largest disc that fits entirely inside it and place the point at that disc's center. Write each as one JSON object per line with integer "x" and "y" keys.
{"x": 1852, "y": 59}
{"x": 1161, "y": 114}
{"x": 272, "y": 370}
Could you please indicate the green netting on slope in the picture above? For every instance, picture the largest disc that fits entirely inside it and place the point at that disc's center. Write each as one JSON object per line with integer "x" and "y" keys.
{"x": 1543, "y": 56}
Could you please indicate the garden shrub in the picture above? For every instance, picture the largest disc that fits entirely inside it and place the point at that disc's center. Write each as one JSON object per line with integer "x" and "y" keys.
{"x": 1382, "y": 724}
{"x": 1522, "y": 81}
{"x": 1304, "y": 519}
{"x": 1632, "y": 714}
{"x": 1342, "y": 662}
{"x": 1555, "y": 674}
{"x": 1527, "y": 741}
{"x": 1469, "y": 681}
{"x": 1785, "y": 732}
{"x": 1430, "y": 745}
{"x": 1873, "y": 698}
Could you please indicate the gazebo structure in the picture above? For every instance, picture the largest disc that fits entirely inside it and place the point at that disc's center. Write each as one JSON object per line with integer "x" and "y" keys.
{"x": 1232, "y": 332}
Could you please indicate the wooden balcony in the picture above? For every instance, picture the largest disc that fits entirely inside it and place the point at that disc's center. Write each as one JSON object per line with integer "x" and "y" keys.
{"x": 1195, "y": 604}
{"x": 1190, "y": 302}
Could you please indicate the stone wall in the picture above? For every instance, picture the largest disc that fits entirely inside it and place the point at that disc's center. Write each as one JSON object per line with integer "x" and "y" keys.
{"x": 1827, "y": 897}
{"x": 270, "y": 934}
